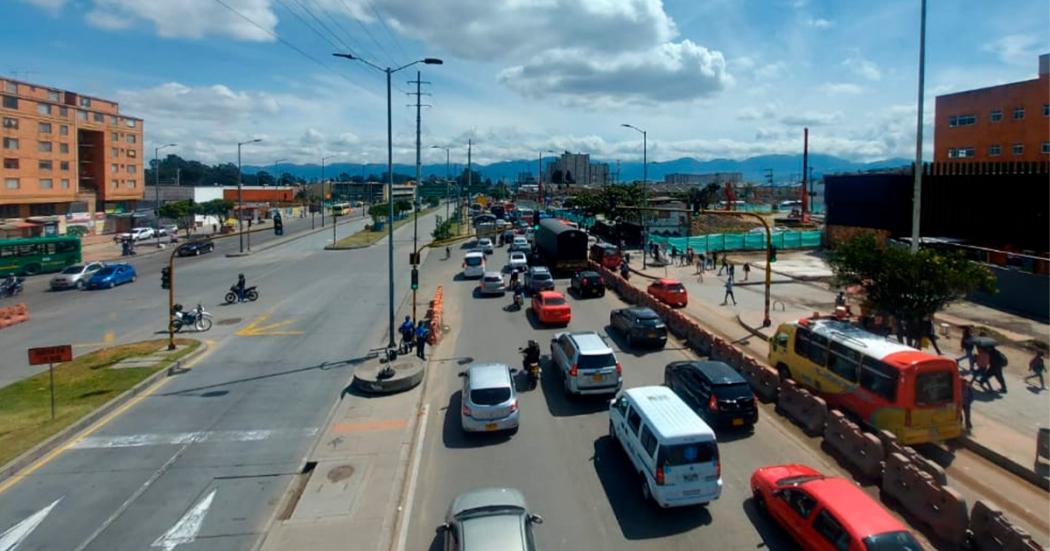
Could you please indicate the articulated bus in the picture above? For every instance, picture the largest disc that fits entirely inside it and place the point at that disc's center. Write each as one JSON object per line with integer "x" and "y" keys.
{"x": 884, "y": 384}
{"x": 34, "y": 255}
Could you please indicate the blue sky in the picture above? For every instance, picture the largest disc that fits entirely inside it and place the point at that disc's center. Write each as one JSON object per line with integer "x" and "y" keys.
{"x": 706, "y": 79}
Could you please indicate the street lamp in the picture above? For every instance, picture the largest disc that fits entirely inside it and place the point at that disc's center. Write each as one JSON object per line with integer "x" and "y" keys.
{"x": 645, "y": 186}
{"x": 390, "y": 176}
{"x": 240, "y": 194}
{"x": 323, "y": 159}
{"x": 448, "y": 154}
{"x": 276, "y": 182}
{"x": 156, "y": 190}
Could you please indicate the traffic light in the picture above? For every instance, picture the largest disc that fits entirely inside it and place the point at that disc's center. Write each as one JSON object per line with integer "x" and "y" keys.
{"x": 165, "y": 278}
{"x": 536, "y": 220}
{"x": 772, "y": 254}
{"x": 415, "y": 279}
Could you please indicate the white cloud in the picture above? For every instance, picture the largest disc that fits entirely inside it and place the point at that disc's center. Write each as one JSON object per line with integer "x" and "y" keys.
{"x": 188, "y": 18}
{"x": 819, "y": 23}
{"x": 862, "y": 67}
{"x": 764, "y": 112}
{"x": 811, "y": 118}
{"x": 771, "y": 71}
{"x": 216, "y": 104}
{"x": 841, "y": 89}
{"x": 1016, "y": 49}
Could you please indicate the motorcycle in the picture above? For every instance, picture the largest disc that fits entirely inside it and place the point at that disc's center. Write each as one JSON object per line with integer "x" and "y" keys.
{"x": 519, "y": 301}
{"x": 250, "y": 294}
{"x": 198, "y": 318}
{"x": 11, "y": 287}
{"x": 531, "y": 363}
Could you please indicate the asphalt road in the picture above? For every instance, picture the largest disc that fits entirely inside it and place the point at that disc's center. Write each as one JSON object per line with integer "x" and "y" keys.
{"x": 570, "y": 471}
{"x": 202, "y": 462}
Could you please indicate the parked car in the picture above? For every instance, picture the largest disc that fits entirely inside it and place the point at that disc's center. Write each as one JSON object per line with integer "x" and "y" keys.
{"x": 586, "y": 364}
{"x": 489, "y": 518}
{"x": 539, "y": 278}
{"x": 75, "y": 276}
{"x": 713, "y": 390}
{"x": 491, "y": 284}
{"x": 550, "y": 307}
{"x": 587, "y": 283}
{"x": 112, "y": 275}
{"x": 669, "y": 291}
{"x": 639, "y": 325}
{"x": 490, "y": 402}
{"x": 485, "y": 245}
{"x": 136, "y": 234}
{"x": 518, "y": 261}
{"x": 197, "y": 247}
{"x": 827, "y": 512}
{"x": 674, "y": 453}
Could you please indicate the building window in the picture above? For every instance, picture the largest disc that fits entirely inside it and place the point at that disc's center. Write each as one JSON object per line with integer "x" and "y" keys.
{"x": 114, "y": 168}
{"x": 10, "y": 102}
{"x": 43, "y": 147}
{"x": 130, "y": 138}
{"x": 52, "y": 95}
{"x": 995, "y": 150}
{"x": 11, "y": 164}
{"x": 99, "y": 118}
{"x": 43, "y": 108}
{"x": 1046, "y": 109}
{"x": 43, "y": 127}
{"x": 10, "y": 87}
{"x": 63, "y": 148}
{"x": 961, "y": 153}
{"x": 63, "y": 112}
{"x": 131, "y": 169}
{"x": 115, "y": 136}
{"x": 1018, "y": 149}
{"x": 131, "y": 153}
{"x": 47, "y": 183}
{"x": 65, "y": 183}
{"x": 962, "y": 120}
{"x": 10, "y": 143}
{"x": 11, "y": 183}
{"x": 82, "y": 115}
{"x": 11, "y": 123}
{"x": 44, "y": 165}
{"x": 131, "y": 184}
{"x": 1018, "y": 113}
{"x": 63, "y": 130}
{"x": 85, "y": 102}
{"x": 116, "y": 184}
{"x": 130, "y": 123}
{"x": 63, "y": 165}
{"x": 113, "y": 120}
{"x": 1046, "y": 148}
{"x": 114, "y": 152}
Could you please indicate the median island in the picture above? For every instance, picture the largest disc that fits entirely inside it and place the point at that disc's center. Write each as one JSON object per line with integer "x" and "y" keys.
{"x": 371, "y": 234}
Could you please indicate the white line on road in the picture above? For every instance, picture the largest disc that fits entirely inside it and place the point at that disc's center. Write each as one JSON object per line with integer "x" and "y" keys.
{"x": 15, "y": 535}
{"x": 186, "y": 529}
{"x": 413, "y": 475}
{"x": 179, "y": 438}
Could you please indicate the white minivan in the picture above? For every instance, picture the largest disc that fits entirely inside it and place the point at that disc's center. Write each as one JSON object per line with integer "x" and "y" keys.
{"x": 474, "y": 264}
{"x": 672, "y": 449}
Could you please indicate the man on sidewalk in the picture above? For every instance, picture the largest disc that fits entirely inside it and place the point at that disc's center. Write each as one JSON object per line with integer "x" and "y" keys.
{"x": 967, "y": 402}
{"x": 1037, "y": 366}
{"x": 747, "y": 270}
{"x": 729, "y": 293}
{"x": 724, "y": 266}
{"x": 422, "y": 333}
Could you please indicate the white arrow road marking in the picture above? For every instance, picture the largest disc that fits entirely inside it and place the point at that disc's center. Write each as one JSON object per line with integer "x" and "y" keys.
{"x": 186, "y": 529}
{"x": 15, "y": 535}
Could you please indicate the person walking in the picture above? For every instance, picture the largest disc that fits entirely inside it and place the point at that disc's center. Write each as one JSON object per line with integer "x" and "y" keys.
{"x": 967, "y": 402}
{"x": 998, "y": 362}
{"x": 714, "y": 259}
{"x": 747, "y": 270}
{"x": 931, "y": 333}
{"x": 732, "y": 271}
{"x": 966, "y": 344}
{"x": 1037, "y": 366}
{"x": 729, "y": 293}
{"x": 422, "y": 333}
{"x": 724, "y": 266}
{"x": 840, "y": 299}
{"x": 674, "y": 255}
{"x": 700, "y": 266}
{"x": 702, "y": 263}
{"x": 984, "y": 363}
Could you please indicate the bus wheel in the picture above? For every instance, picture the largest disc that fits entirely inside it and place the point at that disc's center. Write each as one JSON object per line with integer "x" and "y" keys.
{"x": 31, "y": 269}
{"x": 783, "y": 372}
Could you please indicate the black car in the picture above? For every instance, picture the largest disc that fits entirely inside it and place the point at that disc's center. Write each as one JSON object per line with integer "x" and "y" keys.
{"x": 587, "y": 283}
{"x": 197, "y": 247}
{"x": 639, "y": 326}
{"x": 715, "y": 391}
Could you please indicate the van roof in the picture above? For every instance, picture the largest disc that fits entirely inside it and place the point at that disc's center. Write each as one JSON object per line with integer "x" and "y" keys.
{"x": 590, "y": 343}
{"x": 667, "y": 415}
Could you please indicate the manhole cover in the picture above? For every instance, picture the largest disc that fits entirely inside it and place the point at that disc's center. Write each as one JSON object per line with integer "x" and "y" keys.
{"x": 228, "y": 321}
{"x": 342, "y": 472}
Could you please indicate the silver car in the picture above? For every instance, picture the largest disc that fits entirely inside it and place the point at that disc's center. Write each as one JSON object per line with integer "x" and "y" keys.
{"x": 487, "y": 519}
{"x": 485, "y": 245}
{"x": 491, "y": 284}
{"x": 490, "y": 402}
{"x": 539, "y": 279}
{"x": 75, "y": 276}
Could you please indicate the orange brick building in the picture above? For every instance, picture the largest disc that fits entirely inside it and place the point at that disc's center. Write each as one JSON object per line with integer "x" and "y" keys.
{"x": 66, "y": 153}
{"x": 1009, "y": 122}
{"x": 260, "y": 194}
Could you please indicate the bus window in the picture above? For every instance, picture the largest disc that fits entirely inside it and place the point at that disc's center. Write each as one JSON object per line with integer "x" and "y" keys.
{"x": 26, "y": 250}
{"x": 802, "y": 342}
{"x": 6, "y": 252}
{"x": 878, "y": 378}
{"x": 844, "y": 362}
{"x": 934, "y": 388}
{"x": 47, "y": 248}
{"x": 818, "y": 349}
{"x": 66, "y": 246}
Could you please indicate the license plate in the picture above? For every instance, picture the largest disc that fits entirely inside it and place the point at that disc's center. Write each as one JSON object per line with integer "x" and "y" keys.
{"x": 738, "y": 422}
{"x": 654, "y": 334}
{"x": 491, "y": 426}
{"x": 691, "y": 478}
{"x": 597, "y": 377}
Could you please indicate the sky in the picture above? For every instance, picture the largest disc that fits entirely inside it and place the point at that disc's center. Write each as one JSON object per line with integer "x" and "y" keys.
{"x": 704, "y": 78}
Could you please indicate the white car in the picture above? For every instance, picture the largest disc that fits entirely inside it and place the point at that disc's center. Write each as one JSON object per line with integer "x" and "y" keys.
{"x": 491, "y": 284}
{"x": 136, "y": 234}
{"x": 518, "y": 260}
{"x": 519, "y": 243}
{"x": 485, "y": 245}
{"x": 76, "y": 276}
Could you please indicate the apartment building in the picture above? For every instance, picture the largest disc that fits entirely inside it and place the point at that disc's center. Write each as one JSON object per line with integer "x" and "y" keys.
{"x": 576, "y": 169}
{"x": 66, "y": 153}
{"x": 1005, "y": 123}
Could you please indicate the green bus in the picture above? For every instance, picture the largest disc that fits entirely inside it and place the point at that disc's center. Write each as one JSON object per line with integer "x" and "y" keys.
{"x": 34, "y": 255}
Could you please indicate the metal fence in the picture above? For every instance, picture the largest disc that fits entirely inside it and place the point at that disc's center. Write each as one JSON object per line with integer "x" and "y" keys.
{"x": 742, "y": 241}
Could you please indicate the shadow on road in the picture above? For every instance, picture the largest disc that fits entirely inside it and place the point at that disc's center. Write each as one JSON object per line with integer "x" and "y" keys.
{"x": 638, "y": 519}
{"x": 323, "y": 366}
{"x": 773, "y": 536}
{"x": 560, "y": 403}
{"x": 453, "y": 435}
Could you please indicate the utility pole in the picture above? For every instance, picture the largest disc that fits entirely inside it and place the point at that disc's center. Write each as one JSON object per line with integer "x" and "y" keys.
{"x": 805, "y": 174}
{"x": 469, "y": 179}
{"x": 240, "y": 195}
{"x": 415, "y": 191}
{"x": 916, "y": 201}
{"x": 322, "y": 190}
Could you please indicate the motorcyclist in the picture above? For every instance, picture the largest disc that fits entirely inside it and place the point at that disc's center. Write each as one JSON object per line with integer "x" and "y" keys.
{"x": 239, "y": 287}
{"x": 407, "y": 330}
{"x": 532, "y": 355}
{"x": 9, "y": 284}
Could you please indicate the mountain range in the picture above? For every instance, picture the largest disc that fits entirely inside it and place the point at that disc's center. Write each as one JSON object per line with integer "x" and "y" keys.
{"x": 785, "y": 168}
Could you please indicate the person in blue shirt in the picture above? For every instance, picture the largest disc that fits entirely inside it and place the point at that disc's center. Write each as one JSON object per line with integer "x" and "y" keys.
{"x": 408, "y": 332}
{"x": 422, "y": 333}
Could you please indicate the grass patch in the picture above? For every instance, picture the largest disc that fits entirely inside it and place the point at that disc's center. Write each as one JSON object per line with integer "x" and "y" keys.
{"x": 81, "y": 386}
{"x": 365, "y": 238}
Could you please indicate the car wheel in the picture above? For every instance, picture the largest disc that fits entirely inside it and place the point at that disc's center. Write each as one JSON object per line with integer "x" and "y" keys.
{"x": 133, "y": 278}
{"x": 31, "y": 269}
{"x": 647, "y": 494}
{"x": 197, "y": 252}
{"x": 81, "y": 284}
{"x": 111, "y": 285}
{"x": 783, "y": 372}
{"x": 758, "y": 499}
{"x": 612, "y": 431}
{"x": 630, "y": 340}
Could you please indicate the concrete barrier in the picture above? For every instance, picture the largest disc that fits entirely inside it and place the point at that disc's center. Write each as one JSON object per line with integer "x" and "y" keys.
{"x": 860, "y": 451}
{"x": 990, "y": 530}
{"x": 891, "y": 446}
{"x": 805, "y": 409}
{"x": 13, "y": 315}
{"x": 935, "y": 506}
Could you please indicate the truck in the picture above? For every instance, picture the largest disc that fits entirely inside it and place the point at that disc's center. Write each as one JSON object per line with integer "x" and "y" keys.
{"x": 562, "y": 248}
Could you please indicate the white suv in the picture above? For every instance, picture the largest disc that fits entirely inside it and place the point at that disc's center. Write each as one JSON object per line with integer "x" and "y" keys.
{"x": 586, "y": 364}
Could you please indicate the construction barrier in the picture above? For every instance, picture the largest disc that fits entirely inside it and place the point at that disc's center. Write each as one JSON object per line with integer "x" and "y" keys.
{"x": 891, "y": 446}
{"x": 13, "y": 315}
{"x": 937, "y": 507}
{"x": 805, "y": 409}
{"x": 992, "y": 531}
{"x": 861, "y": 451}
{"x": 435, "y": 313}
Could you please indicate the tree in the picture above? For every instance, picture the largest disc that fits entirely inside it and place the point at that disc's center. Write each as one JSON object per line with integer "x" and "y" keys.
{"x": 556, "y": 177}
{"x": 380, "y": 211}
{"x": 215, "y": 207}
{"x": 180, "y": 211}
{"x": 264, "y": 178}
{"x": 343, "y": 177}
{"x": 911, "y": 287}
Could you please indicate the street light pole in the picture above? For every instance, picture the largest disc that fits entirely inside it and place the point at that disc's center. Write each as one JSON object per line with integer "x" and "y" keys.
{"x": 322, "y": 189}
{"x": 916, "y": 201}
{"x": 391, "y": 343}
{"x": 240, "y": 194}
{"x": 276, "y": 181}
{"x": 645, "y": 188}
{"x": 447, "y": 175}
{"x": 156, "y": 190}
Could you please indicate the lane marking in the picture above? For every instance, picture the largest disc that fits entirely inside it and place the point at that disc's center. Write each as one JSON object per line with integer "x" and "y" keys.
{"x": 15, "y": 535}
{"x": 254, "y": 329}
{"x": 179, "y": 438}
{"x": 40, "y": 463}
{"x": 187, "y": 528}
{"x": 365, "y": 426}
{"x": 417, "y": 454}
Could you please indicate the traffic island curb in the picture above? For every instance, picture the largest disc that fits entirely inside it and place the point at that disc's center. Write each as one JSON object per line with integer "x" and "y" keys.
{"x": 379, "y": 380}
{"x": 238, "y": 254}
{"x": 13, "y": 467}
{"x": 1003, "y": 462}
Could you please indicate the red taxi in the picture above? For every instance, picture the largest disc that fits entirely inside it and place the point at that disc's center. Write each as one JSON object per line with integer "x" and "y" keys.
{"x": 551, "y": 308}
{"x": 669, "y": 291}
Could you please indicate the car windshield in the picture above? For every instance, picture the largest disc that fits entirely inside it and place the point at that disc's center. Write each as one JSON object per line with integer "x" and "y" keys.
{"x": 687, "y": 454}
{"x": 489, "y": 396}
{"x": 554, "y": 301}
{"x": 733, "y": 391}
{"x": 489, "y": 510}
{"x": 596, "y": 361}
{"x": 892, "y": 541}
{"x": 493, "y": 279}
{"x": 73, "y": 269}
{"x": 473, "y": 261}
{"x": 542, "y": 276}
{"x": 107, "y": 271}
{"x": 675, "y": 288}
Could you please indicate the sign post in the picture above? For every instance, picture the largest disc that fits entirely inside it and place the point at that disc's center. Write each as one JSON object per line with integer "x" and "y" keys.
{"x": 51, "y": 355}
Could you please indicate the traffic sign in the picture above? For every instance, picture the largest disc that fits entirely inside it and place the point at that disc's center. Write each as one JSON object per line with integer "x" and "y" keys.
{"x": 50, "y": 354}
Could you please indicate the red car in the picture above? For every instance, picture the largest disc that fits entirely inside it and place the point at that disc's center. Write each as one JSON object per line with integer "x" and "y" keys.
{"x": 669, "y": 291}
{"x": 551, "y": 308}
{"x": 827, "y": 513}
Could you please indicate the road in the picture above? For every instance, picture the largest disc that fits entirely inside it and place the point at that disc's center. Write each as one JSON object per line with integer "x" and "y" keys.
{"x": 201, "y": 462}
{"x": 570, "y": 471}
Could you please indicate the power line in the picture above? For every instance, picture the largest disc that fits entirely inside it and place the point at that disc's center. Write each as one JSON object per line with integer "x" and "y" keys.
{"x": 350, "y": 12}
{"x": 308, "y": 25}
{"x": 388, "y": 31}
{"x": 324, "y": 26}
